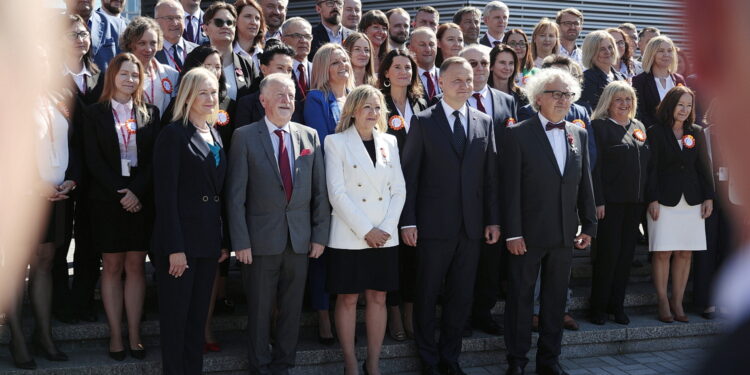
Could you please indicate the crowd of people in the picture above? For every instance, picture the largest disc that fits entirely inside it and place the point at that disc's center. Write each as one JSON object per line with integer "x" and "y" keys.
{"x": 373, "y": 157}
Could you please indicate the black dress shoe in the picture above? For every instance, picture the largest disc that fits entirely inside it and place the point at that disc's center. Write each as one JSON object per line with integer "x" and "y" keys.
{"x": 452, "y": 369}
{"x": 328, "y": 341}
{"x": 621, "y": 318}
{"x": 598, "y": 318}
{"x": 23, "y": 365}
{"x": 117, "y": 356}
{"x": 554, "y": 369}
{"x": 87, "y": 316}
{"x": 514, "y": 370}
{"x": 490, "y": 326}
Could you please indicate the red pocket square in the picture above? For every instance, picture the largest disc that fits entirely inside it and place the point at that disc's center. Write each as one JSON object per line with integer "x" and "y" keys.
{"x": 304, "y": 152}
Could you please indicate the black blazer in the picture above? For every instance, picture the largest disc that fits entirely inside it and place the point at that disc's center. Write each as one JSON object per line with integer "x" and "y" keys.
{"x": 247, "y": 78}
{"x": 503, "y": 114}
{"x": 648, "y": 96}
{"x": 594, "y": 82}
{"x": 443, "y": 188}
{"x": 679, "y": 172}
{"x": 102, "y": 154}
{"x": 623, "y": 168}
{"x": 94, "y": 86}
{"x": 417, "y": 106}
{"x": 541, "y": 204}
{"x": 320, "y": 37}
{"x": 187, "y": 193}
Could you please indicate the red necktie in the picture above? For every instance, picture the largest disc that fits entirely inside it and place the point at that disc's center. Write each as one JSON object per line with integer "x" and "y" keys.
{"x": 430, "y": 84}
{"x": 480, "y": 106}
{"x": 302, "y": 79}
{"x": 286, "y": 172}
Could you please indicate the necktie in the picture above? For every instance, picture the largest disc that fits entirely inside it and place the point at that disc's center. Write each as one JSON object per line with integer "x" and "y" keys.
{"x": 284, "y": 168}
{"x": 430, "y": 85}
{"x": 177, "y": 58}
{"x": 189, "y": 30}
{"x": 480, "y": 105}
{"x": 551, "y": 126}
{"x": 459, "y": 134}
{"x": 496, "y": 42}
{"x": 302, "y": 77}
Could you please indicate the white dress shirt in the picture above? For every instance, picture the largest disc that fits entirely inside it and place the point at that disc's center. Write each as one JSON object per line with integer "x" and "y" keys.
{"x": 79, "y": 78}
{"x": 230, "y": 81}
{"x": 663, "y": 90}
{"x": 435, "y": 74}
{"x": 558, "y": 142}
{"x": 576, "y": 54}
{"x": 334, "y": 38}
{"x": 124, "y": 113}
{"x": 486, "y": 100}
{"x": 254, "y": 57}
{"x": 287, "y": 143}
{"x": 493, "y": 40}
{"x": 51, "y": 143}
{"x": 169, "y": 51}
{"x": 463, "y": 113}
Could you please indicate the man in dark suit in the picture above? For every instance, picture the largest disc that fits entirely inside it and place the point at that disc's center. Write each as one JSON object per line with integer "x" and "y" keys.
{"x": 423, "y": 45}
{"x": 275, "y": 59}
{"x": 329, "y": 30}
{"x": 495, "y": 15}
{"x": 278, "y": 217}
{"x": 451, "y": 172}
{"x": 547, "y": 190}
{"x": 297, "y": 33}
{"x": 500, "y": 107}
{"x": 169, "y": 16}
{"x": 193, "y": 18}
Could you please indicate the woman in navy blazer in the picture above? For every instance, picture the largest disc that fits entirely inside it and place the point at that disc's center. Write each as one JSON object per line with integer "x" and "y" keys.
{"x": 119, "y": 136}
{"x": 332, "y": 79}
{"x": 599, "y": 55}
{"x": 189, "y": 169}
{"x": 659, "y": 64}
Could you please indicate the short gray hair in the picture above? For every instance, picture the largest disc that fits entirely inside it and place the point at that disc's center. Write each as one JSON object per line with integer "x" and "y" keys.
{"x": 475, "y": 47}
{"x": 275, "y": 78}
{"x": 292, "y": 20}
{"x": 493, "y": 6}
{"x": 535, "y": 85}
{"x": 160, "y": 3}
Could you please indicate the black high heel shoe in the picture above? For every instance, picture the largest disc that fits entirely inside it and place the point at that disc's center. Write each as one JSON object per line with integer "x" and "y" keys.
{"x": 117, "y": 356}
{"x": 26, "y": 365}
{"x": 139, "y": 353}
{"x": 38, "y": 349}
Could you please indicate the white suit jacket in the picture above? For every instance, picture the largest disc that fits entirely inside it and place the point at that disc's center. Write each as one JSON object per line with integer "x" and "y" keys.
{"x": 363, "y": 196}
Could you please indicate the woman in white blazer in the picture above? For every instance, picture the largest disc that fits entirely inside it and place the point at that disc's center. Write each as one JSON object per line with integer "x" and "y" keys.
{"x": 367, "y": 192}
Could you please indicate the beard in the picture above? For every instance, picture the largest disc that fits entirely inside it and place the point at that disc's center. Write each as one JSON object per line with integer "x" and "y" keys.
{"x": 399, "y": 38}
{"x": 333, "y": 19}
{"x": 112, "y": 9}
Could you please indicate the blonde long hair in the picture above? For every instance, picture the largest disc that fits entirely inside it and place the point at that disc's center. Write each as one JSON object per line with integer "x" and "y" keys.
{"x": 541, "y": 27}
{"x": 354, "y": 102}
{"x": 109, "y": 90}
{"x": 189, "y": 86}
{"x": 649, "y": 55}
{"x": 322, "y": 63}
{"x": 608, "y": 95}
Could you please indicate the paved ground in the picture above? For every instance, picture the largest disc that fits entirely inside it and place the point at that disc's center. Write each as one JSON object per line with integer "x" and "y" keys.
{"x": 675, "y": 362}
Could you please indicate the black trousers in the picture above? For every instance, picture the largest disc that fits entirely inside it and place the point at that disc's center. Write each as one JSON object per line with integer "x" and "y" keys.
{"x": 616, "y": 240}
{"x": 522, "y": 273}
{"x": 487, "y": 286}
{"x": 720, "y": 243}
{"x": 60, "y": 279}
{"x": 86, "y": 259}
{"x": 450, "y": 265}
{"x": 183, "y": 308}
{"x": 407, "y": 276}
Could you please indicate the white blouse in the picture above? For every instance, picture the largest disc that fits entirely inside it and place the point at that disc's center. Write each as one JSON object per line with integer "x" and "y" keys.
{"x": 123, "y": 114}
{"x": 51, "y": 142}
{"x": 663, "y": 90}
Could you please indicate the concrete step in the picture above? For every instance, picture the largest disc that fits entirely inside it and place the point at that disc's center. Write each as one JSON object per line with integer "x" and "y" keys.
{"x": 644, "y": 334}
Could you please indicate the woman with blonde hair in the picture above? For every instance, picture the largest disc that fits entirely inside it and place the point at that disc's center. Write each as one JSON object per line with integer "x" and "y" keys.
{"x": 545, "y": 41}
{"x": 360, "y": 51}
{"x": 367, "y": 192}
{"x": 119, "y": 194}
{"x": 620, "y": 178}
{"x": 189, "y": 169}
{"x": 332, "y": 80}
{"x": 599, "y": 55}
{"x": 658, "y": 77}
{"x": 143, "y": 38}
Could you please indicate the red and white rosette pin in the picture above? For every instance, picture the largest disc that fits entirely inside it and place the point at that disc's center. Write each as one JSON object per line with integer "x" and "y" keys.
{"x": 131, "y": 126}
{"x": 510, "y": 122}
{"x": 688, "y": 141}
{"x": 222, "y": 118}
{"x": 396, "y": 122}
{"x": 570, "y": 139}
{"x": 639, "y": 135}
{"x": 166, "y": 85}
{"x": 580, "y": 123}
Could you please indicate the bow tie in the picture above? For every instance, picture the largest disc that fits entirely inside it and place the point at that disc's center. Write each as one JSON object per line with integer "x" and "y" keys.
{"x": 551, "y": 126}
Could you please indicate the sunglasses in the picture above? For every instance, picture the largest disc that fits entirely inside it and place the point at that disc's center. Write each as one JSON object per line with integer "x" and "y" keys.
{"x": 218, "y": 22}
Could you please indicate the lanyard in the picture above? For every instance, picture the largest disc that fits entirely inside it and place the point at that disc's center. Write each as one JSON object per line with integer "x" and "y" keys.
{"x": 154, "y": 72}
{"x": 125, "y": 129}
{"x": 176, "y": 65}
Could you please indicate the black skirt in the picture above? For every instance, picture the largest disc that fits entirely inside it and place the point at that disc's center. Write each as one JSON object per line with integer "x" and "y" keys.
{"x": 354, "y": 271}
{"x": 115, "y": 230}
{"x": 57, "y": 221}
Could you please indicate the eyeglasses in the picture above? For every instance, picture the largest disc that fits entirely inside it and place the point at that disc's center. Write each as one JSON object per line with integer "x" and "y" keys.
{"x": 517, "y": 44}
{"x": 170, "y": 18}
{"x": 218, "y": 22}
{"x": 332, "y": 3}
{"x": 78, "y": 35}
{"x": 484, "y": 64}
{"x": 557, "y": 94}
{"x": 298, "y": 36}
{"x": 571, "y": 24}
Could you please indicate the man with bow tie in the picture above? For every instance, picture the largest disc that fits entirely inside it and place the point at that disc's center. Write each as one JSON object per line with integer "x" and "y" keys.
{"x": 547, "y": 191}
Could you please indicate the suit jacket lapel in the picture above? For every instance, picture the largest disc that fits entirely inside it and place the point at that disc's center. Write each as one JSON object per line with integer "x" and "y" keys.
{"x": 243, "y": 81}
{"x": 653, "y": 91}
{"x": 568, "y": 149}
{"x": 537, "y": 129}
{"x": 265, "y": 140}
{"x": 361, "y": 156}
{"x": 441, "y": 120}
{"x": 333, "y": 105}
{"x": 109, "y": 131}
{"x": 297, "y": 147}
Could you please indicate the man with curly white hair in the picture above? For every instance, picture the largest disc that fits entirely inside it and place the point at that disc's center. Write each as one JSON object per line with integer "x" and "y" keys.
{"x": 547, "y": 191}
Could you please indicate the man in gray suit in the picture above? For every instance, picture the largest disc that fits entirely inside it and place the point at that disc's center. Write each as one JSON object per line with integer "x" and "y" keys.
{"x": 278, "y": 217}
